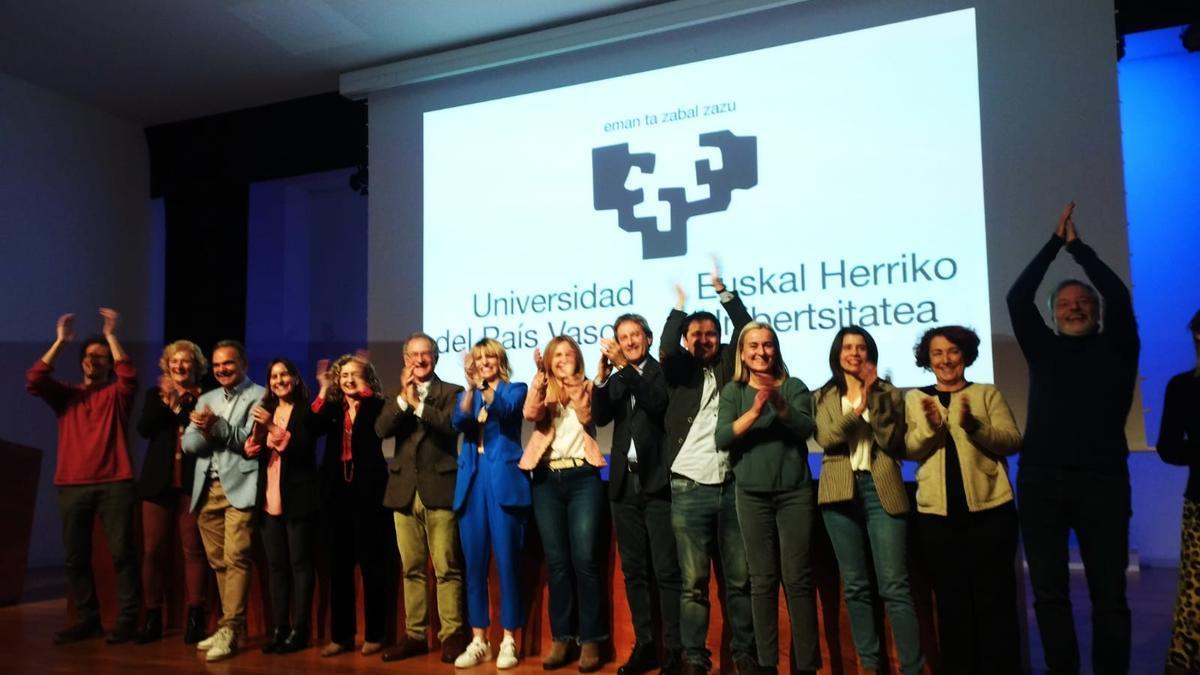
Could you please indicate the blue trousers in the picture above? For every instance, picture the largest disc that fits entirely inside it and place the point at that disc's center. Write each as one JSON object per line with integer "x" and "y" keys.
{"x": 485, "y": 527}
{"x": 850, "y": 524}
{"x": 567, "y": 506}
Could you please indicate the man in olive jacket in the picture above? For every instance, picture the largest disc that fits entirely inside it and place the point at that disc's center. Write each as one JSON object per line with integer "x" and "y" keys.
{"x": 420, "y": 491}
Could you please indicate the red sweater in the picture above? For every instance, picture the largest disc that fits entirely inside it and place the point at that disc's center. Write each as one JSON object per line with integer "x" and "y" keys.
{"x": 92, "y": 446}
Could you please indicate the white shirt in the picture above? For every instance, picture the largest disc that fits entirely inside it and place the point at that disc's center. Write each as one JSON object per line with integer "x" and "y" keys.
{"x": 862, "y": 441}
{"x": 422, "y": 392}
{"x": 632, "y": 456}
{"x": 569, "y": 435}
{"x": 699, "y": 458}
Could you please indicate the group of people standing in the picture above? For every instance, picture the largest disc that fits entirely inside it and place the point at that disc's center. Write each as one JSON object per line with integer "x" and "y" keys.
{"x": 709, "y": 471}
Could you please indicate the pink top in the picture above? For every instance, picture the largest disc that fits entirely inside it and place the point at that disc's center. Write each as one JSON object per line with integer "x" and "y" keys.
{"x": 277, "y": 441}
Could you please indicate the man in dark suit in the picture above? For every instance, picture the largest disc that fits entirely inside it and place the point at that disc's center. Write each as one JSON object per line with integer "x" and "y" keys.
{"x": 703, "y": 516}
{"x": 632, "y": 393}
{"x": 420, "y": 491}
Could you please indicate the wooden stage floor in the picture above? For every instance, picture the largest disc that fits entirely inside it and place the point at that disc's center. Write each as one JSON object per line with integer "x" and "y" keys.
{"x": 26, "y": 631}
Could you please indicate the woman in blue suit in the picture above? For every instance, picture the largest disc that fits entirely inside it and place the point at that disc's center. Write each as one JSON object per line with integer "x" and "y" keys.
{"x": 491, "y": 497}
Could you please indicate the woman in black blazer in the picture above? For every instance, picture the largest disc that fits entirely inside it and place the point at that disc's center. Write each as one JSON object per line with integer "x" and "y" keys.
{"x": 166, "y": 490}
{"x": 354, "y": 476}
{"x": 284, "y": 437}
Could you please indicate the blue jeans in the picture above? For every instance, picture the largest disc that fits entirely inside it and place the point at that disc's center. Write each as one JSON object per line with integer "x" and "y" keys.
{"x": 567, "y": 505}
{"x": 706, "y": 531}
{"x": 850, "y": 524}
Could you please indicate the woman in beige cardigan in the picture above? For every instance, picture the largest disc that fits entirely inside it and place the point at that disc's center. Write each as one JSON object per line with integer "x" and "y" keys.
{"x": 961, "y": 432}
{"x": 860, "y": 424}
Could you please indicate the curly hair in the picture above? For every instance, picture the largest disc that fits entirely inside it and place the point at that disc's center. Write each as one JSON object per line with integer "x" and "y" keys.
{"x": 200, "y": 364}
{"x": 334, "y": 394}
{"x": 962, "y": 337}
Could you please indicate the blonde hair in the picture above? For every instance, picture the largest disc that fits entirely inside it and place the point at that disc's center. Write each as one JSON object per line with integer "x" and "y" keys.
{"x": 489, "y": 347}
{"x": 200, "y": 363}
{"x": 552, "y": 346}
{"x": 779, "y": 369}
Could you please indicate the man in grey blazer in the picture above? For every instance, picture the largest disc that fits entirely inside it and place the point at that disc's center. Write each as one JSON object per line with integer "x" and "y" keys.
{"x": 420, "y": 491}
{"x": 226, "y": 488}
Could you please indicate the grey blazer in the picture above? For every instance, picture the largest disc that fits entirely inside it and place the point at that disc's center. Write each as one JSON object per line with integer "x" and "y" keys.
{"x": 887, "y": 429}
{"x": 225, "y": 446}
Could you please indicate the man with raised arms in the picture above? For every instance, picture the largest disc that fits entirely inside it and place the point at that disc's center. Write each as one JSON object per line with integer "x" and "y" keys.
{"x": 696, "y": 365}
{"x": 94, "y": 476}
{"x": 1074, "y": 473}
{"x": 631, "y": 392}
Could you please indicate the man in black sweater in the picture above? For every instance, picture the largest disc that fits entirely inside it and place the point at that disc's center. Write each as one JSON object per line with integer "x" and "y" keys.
{"x": 1074, "y": 472}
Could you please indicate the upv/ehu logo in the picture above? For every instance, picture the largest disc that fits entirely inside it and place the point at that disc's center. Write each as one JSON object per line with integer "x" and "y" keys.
{"x": 611, "y": 165}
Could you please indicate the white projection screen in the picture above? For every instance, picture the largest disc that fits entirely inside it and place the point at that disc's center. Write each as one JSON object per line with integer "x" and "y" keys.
{"x": 887, "y": 164}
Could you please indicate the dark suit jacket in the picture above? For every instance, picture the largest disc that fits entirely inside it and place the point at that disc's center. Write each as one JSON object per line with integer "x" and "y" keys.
{"x": 298, "y": 478}
{"x": 370, "y": 466}
{"x": 508, "y": 485}
{"x": 426, "y": 460}
{"x": 685, "y": 375}
{"x": 641, "y": 422}
{"x": 161, "y": 426}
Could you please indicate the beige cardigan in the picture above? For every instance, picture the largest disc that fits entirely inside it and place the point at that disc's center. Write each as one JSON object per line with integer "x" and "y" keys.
{"x": 887, "y": 427}
{"x": 984, "y": 472}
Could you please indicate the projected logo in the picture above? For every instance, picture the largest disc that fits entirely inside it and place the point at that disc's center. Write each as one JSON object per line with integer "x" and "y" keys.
{"x": 611, "y": 165}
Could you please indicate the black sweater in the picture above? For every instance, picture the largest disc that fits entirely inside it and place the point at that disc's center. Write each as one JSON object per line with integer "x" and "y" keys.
{"x": 1080, "y": 388}
{"x": 1179, "y": 434}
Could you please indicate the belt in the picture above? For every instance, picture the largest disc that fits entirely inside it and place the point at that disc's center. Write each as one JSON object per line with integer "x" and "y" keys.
{"x": 562, "y": 464}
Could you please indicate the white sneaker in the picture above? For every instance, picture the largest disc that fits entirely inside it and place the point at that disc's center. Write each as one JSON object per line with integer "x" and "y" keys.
{"x": 476, "y": 653}
{"x": 507, "y": 658}
{"x": 207, "y": 643}
{"x": 224, "y": 645}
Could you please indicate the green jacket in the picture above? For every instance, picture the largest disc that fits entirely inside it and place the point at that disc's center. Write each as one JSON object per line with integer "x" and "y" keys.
{"x": 772, "y": 455}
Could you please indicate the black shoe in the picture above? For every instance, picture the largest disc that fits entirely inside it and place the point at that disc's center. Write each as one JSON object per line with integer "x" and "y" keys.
{"x": 276, "y": 640}
{"x": 124, "y": 632}
{"x": 745, "y": 665}
{"x": 689, "y": 668}
{"x": 672, "y": 663}
{"x": 85, "y": 630}
{"x": 197, "y": 622}
{"x": 295, "y": 641}
{"x": 152, "y": 629}
{"x": 642, "y": 659}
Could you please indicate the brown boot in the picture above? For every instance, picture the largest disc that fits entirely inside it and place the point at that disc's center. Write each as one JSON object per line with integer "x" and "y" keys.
{"x": 559, "y": 656}
{"x": 589, "y": 657}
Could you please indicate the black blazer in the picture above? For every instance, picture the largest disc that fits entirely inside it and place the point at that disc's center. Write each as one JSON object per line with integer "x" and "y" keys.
{"x": 685, "y": 374}
{"x": 161, "y": 426}
{"x": 641, "y": 422}
{"x": 370, "y": 467}
{"x": 426, "y": 459}
{"x": 298, "y": 482}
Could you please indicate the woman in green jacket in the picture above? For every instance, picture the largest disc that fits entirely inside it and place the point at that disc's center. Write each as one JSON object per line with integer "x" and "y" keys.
{"x": 764, "y": 421}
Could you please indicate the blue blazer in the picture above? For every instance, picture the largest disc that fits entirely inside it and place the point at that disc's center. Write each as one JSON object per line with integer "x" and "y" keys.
{"x": 509, "y": 485}
{"x": 226, "y": 446}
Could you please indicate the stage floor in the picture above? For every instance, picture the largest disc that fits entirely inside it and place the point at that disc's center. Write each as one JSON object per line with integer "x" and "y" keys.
{"x": 26, "y": 631}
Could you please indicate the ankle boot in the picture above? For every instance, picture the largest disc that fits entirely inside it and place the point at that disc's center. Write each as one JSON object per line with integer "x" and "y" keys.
{"x": 559, "y": 656}
{"x": 589, "y": 657}
{"x": 151, "y": 630}
{"x": 197, "y": 623}
{"x": 276, "y": 639}
{"x": 295, "y": 641}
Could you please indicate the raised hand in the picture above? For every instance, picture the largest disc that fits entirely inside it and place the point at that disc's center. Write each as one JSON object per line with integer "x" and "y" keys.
{"x": 1065, "y": 226}
{"x": 169, "y": 391}
{"x": 680, "y": 297}
{"x": 715, "y": 279}
{"x": 869, "y": 374}
{"x": 65, "y": 328}
{"x": 470, "y": 372}
{"x": 761, "y": 399}
{"x": 612, "y": 352}
{"x": 966, "y": 420}
{"x": 932, "y": 412}
{"x": 110, "y": 317}
{"x": 323, "y": 378}
{"x": 605, "y": 367}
